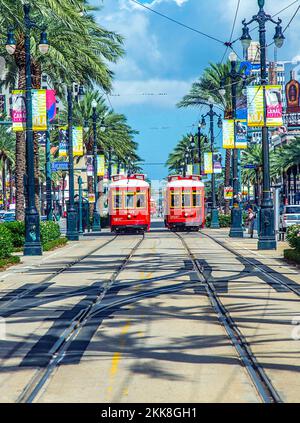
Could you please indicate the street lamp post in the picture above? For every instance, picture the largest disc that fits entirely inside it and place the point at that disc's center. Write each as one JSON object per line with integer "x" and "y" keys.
{"x": 72, "y": 216}
{"x": 96, "y": 214}
{"x": 214, "y": 212}
{"x": 109, "y": 162}
{"x": 199, "y": 149}
{"x": 192, "y": 148}
{"x": 48, "y": 175}
{"x": 236, "y": 228}
{"x": 32, "y": 246}
{"x": 267, "y": 239}
{"x": 80, "y": 204}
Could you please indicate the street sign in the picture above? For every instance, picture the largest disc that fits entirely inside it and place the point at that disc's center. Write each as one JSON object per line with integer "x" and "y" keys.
{"x": 59, "y": 166}
{"x": 250, "y": 166}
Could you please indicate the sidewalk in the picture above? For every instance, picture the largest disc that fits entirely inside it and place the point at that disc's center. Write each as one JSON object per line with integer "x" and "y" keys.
{"x": 247, "y": 247}
{"x": 39, "y": 267}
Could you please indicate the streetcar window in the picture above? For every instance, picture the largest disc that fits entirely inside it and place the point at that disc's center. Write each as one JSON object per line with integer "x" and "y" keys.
{"x": 117, "y": 200}
{"x": 175, "y": 202}
{"x": 186, "y": 199}
{"x": 196, "y": 199}
{"x": 140, "y": 201}
{"x": 129, "y": 201}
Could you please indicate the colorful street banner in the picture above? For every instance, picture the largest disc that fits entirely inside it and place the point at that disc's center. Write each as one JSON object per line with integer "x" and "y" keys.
{"x": 63, "y": 141}
{"x": 240, "y": 134}
{"x": 91, "y": 198}
{"x": 51, "y": 104}
{"x": 274, "y": 105}
{"x": 114, "y": 169}
{"x": 77, "y": 141}
{"x": 189, "y": 169}
{"x": 89, "y": 160}
{"x": 208, "y": 163}
{"x": 241, "y": 129}
{"x": 39, "y": 110}
{"x": 217, "y": 162}
{"x": 228, "y": 133}
{"x": 18, "y": 110}
{"x": 255, "y": 101}
{"x": 228, "y": 193}
{"x": 101, "y": 165}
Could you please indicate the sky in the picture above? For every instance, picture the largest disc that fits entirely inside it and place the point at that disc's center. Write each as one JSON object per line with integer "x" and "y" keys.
{"x": 164, "y": 59}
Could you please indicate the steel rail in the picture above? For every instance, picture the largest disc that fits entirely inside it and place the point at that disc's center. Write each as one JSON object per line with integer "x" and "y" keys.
{"x": 260, "y": 380}
{"x": 58, "y": 350}
{"x": 256, "y": 266}
{"x": 52, "y": 276}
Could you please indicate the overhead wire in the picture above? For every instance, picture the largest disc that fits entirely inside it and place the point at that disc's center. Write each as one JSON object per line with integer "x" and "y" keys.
{"x": 232, "y": 30}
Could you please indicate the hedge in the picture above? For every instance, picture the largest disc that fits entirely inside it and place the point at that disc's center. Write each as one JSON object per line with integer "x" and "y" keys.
{"x": 17, "y": 230}
{"x": 224, "y": 220}
{"x": 293, "y": 237}
{"x": 49, "y": 232}
{"x": 6, "y": 244}
{"x": 7, "y": 262}
{"x": 292, "y": 255}
{"x": 55, "y": 243}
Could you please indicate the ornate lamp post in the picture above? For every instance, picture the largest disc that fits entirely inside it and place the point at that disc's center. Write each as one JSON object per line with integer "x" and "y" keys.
{"x": 32, "y": 245}
{"x": 96, "y": 214}
{"x": 199, "y": 149}
{"x": 267, "y": 239}
{"x": 236, "y": 229}
{"x": 192, "y": 148}
{"x": 72, "y": 215}
{"x": 214, "y": 212}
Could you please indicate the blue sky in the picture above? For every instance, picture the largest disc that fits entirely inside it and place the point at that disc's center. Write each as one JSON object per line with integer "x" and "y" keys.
{"x": 164, "y": 58}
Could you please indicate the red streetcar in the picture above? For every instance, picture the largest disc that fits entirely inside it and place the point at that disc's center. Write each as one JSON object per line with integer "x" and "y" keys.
{"x": 184, "y": 203}
{"x": 129, "y": 204}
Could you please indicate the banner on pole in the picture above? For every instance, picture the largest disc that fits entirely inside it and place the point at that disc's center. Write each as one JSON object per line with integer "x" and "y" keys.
{"x": 39, "y": 110}
{"x": 189, "y": 169}
{"x": 255, "y": 101}
{"x": 217, "y": 163}
{"x": 51, "y": 104}
{"x": 56, "y": 166}
{"x": 91, "y": 198}
{"x": 228, "y": 133}
{"x": 101, "y": 165}
{"x": 89, "y": 160}
{"x": 208, "y": 163}
{"x": 241, "y": 129}
{"x": 18, "y": 110}
{"x": 114, "y": 169}
{"x": 274, "y": 105}
{"x": 63, "y": 141}
{"x": 77, "y": 141}
{"x": 228, "y": 193}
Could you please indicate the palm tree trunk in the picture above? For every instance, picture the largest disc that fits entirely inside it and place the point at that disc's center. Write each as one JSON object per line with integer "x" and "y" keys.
{"x": 10, "y": 184}
{"x": 4, "y": 182}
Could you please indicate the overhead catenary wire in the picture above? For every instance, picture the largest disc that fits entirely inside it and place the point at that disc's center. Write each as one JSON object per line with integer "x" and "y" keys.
{"x": 232, "y": 30}
{"x": 288, "y": 25}
{"x": 177, "y": 22}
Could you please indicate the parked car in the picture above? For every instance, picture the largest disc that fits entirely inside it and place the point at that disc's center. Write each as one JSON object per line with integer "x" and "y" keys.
{"x": 290, "y": 216}
{"x": 8, "y": 217}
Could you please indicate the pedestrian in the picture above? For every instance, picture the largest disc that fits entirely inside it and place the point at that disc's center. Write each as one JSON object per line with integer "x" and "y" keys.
{"x": 250, "y": 221}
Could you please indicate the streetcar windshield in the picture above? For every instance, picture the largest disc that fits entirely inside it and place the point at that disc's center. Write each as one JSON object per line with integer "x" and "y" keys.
{"x": 175, "y": 202}
{"x": 186, "y": 199}
{"x": 117, "y": 200}
{"x": 140, "y": 201}
{"x": 196, "y": 199}
{"x": 129, "y": 201}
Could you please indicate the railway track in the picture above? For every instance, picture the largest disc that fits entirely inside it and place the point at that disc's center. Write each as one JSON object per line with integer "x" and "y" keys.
{"x": 291, "y": 287}
{"x": 27, "y": 291}
{"x": 259, "y": 379}
{"x": 58, "y": 350}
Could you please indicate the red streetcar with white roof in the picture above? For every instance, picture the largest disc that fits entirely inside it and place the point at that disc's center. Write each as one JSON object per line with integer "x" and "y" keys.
{"x": 129, "y": 204}
{"x": 184, "y": 203}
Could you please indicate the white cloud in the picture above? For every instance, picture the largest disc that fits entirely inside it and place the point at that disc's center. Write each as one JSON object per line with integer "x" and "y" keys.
{"x": 129, "y": 92}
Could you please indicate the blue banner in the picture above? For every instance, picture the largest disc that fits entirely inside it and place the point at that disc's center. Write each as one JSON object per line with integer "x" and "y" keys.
{"x": 59, "y": 166}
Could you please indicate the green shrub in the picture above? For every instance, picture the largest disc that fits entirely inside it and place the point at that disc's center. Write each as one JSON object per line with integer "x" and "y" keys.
{"x": 293, "y": 236}
{"x": 292, "y": 255}
{"x": 6, "y": 262}
{"x": 224, "y": 220}
{"x": 6, "y": 244}
{"x": 17, "y": 230}
{"x": 49, "y": 231}
{"x": 59, "y": 242}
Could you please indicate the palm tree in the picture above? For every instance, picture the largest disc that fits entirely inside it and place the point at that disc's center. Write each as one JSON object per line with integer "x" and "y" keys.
{"x": 207, "y": 87}
{"x": 7, "y": 157}
{"x": 80, "y": 50}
